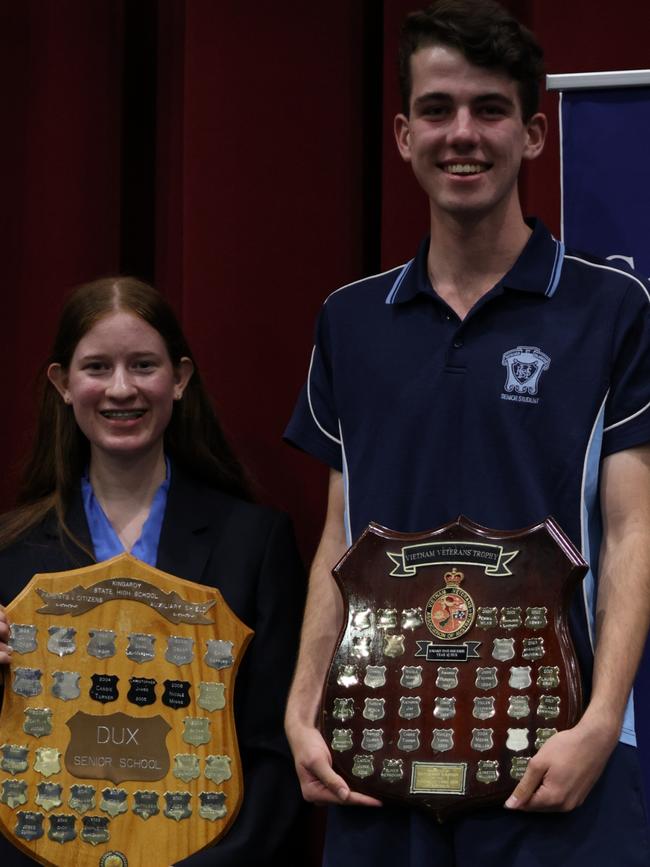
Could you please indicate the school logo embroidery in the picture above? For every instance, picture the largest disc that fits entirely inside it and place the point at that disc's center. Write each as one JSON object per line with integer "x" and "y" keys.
{"x": 524, "y": 366}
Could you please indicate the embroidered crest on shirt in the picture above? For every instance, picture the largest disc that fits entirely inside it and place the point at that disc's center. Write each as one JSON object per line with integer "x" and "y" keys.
{"x": 524, "y": 366}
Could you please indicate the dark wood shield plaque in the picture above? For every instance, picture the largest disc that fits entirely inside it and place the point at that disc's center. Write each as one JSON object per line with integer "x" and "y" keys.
{"x": 118, "y": 735}
{"x": 454, "y": 664}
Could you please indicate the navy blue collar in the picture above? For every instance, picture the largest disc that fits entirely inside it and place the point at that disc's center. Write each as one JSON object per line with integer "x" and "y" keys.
{"x": 537, "y": 270}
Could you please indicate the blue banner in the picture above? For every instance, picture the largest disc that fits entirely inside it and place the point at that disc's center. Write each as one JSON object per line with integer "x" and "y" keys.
{"x": 606, "y": 173}
{"x": 605, "y": 211}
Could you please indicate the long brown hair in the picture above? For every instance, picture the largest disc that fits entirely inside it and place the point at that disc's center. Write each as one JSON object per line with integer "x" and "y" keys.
{"x": 194, "y": 438}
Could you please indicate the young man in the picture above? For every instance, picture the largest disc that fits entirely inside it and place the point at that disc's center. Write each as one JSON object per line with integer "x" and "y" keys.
{"x": 408, "y": 402}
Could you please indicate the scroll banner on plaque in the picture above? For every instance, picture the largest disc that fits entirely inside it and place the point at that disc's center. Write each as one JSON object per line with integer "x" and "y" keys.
{"x": 445, "y": 682}
{"x": 118, "y": 733}
{"x": 605, "y": 123}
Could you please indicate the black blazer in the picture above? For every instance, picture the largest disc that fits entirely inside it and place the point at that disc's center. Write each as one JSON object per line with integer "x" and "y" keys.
{"x": 249, "y": 553}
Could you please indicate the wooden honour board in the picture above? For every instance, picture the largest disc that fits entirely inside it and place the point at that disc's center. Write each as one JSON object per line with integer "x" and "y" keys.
{"x": 70, "y": 688}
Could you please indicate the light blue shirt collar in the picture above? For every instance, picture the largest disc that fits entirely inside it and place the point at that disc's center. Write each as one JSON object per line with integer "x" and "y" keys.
{"x": 106, "y": 542}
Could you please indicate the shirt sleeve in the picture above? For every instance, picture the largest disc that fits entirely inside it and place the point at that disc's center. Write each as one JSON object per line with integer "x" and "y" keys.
{"x": 314, "y": 425}
{"x": 627, "y": 410}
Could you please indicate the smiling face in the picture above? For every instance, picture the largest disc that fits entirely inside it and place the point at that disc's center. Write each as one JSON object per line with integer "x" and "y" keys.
{"x": 121, "y": 385}
{"x": 464, "y": 136}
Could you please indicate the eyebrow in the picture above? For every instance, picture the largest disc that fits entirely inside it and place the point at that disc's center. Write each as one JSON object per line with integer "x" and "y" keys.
{"x": 442, "y": 96}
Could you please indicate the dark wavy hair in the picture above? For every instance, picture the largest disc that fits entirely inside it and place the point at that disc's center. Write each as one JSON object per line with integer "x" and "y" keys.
{"x": 486, "y": 34}
{"x": 194, "y": 439}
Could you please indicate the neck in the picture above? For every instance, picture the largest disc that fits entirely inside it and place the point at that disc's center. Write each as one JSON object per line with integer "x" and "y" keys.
{"x": 131, "y": 480}
{"x": 467, "y": 257}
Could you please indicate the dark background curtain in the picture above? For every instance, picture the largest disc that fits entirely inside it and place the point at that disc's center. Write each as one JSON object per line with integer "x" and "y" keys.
{"x": 240, "y": 157}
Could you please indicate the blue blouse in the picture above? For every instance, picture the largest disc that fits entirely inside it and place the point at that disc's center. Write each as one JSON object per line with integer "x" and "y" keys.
{"x": 106, "y": 542}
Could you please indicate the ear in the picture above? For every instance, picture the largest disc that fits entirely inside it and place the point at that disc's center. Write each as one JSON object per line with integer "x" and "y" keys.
{"x": 402, "y": 131}
{"x": 59, "y": 379}
{"x": 536, "y": 129}
{"x": 182, "y": 375}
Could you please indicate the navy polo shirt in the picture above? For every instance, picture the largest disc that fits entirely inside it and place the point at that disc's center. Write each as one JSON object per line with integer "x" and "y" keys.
{"x": 503, "y": 417}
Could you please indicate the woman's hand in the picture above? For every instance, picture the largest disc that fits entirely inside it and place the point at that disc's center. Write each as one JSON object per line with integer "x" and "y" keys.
{"x": 5, "y": 650}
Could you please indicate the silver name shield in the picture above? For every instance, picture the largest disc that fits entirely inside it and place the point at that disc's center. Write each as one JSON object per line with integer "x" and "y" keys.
{"x": 27, "y": 682}
{"x": 177, "y": 805}
{"x": 373, "y": 739}
{"x": 217, "y": 769}
{"x": 219, "y": 654}
{"x": 374, "y": 708}
{"x": 62, "y": 640}
{"x": 442, "y": 740}
{"x": 22, "y": 637}
{"x": 375, "y": 676}
{"x": 180, "y": 650}
{"x": 101, "y": 644}
{"x": 66, "y": 685}
{"x": 140, "y": 647}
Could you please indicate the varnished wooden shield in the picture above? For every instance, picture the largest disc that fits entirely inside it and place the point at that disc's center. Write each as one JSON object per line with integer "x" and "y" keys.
{"x": 454, "y": 663}
{"x": 118, "y": 734}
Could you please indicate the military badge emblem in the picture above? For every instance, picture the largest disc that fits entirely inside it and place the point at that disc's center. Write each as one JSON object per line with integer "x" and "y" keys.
{"x": 450, "y": 612}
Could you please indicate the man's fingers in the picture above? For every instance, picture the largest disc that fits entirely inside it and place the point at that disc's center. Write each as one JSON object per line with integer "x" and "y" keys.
{"x": 526, "y": 787}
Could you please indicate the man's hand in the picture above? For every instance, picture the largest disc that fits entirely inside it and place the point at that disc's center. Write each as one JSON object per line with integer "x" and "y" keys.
{"x": 564, "y": 771}
{"x": 5, "y": 650}
{"x": 319, "y": 783}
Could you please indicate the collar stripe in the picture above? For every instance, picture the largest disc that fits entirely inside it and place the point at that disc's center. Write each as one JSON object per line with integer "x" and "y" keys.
{"x": 390, "y": 298}
{"x": 556, "y": 273}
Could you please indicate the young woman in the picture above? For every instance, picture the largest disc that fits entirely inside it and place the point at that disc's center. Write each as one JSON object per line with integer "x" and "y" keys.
{"x": 129, "y": 456}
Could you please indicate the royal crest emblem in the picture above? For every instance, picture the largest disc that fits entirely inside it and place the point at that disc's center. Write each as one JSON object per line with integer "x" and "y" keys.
{"x": 450, "y": 612}
{"x": 524, "y": 365}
